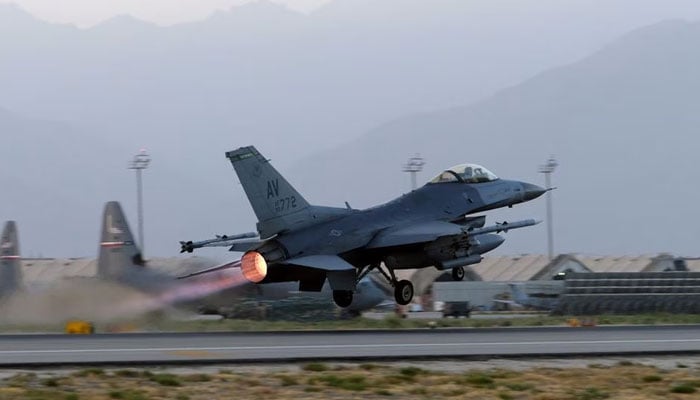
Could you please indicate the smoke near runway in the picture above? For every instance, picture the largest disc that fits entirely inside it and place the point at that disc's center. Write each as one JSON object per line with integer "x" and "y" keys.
{"x": 91, "y": 299}
{"x": 104, "y": 301}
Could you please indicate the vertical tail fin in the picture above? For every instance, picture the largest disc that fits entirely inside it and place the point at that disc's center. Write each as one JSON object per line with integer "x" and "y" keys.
{"x": 117, "y": 248}
{"x": 10, "y": 262}
{"x": 276, "y": 203}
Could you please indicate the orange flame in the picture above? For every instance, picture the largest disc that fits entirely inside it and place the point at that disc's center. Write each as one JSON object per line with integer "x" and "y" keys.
{"x": 254, "y": 266}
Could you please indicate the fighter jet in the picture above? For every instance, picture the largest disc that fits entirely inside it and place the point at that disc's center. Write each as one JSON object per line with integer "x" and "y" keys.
{"x": 430, "y": 226}
{"x": 10, "y": 262}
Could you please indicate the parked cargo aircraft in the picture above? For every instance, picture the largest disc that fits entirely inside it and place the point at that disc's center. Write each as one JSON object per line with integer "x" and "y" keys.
{"x": 10, "y": 263}
{"x": 297, "y": 241}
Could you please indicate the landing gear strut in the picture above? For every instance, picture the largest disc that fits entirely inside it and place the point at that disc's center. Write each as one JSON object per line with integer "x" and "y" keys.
{"x": 403, "y": 289}
{"x": 458, "y": 273}
{"x": 343, "y": 298}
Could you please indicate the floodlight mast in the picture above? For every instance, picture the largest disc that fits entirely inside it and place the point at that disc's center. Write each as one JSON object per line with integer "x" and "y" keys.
{"x": 138, "y": 164}
{"x": 413, "y": 166}
{"x": 548, "y": 169}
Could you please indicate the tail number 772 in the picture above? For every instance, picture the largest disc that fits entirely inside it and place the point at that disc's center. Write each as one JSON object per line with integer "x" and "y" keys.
{"x": 285, "y": 203}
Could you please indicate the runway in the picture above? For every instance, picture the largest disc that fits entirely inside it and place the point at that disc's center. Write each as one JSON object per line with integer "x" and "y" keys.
{"x": 203, "y": 348}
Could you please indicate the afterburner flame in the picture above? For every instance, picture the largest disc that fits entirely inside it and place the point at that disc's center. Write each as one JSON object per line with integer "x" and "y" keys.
{"x": 254, "y": 266}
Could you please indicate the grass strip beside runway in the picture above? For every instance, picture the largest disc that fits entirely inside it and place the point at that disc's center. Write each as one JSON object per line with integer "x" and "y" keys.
{"x": 625, "y": 380}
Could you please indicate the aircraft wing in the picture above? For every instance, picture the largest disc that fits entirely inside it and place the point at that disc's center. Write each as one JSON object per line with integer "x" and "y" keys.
{"x": 431, "y": 230}
{"x": 415, "y": 233}
{"x": 232, "y": 264}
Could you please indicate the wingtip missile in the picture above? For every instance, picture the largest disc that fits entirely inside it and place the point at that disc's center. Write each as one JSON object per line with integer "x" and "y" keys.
{"x": 503, "y": 227}
{"x": 219, "y": 241}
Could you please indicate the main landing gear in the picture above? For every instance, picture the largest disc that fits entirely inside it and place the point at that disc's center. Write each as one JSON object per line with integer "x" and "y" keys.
{"x": 403, "y": 292}
{"x": 403, "y": 289}
{"x": 342, "y": 298}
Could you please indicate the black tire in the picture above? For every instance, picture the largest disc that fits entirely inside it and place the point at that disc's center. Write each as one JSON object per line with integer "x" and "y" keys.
{"x": 342, "y": 298}
{"x": 403, "y": 292}
{"x": 458, "y": 273}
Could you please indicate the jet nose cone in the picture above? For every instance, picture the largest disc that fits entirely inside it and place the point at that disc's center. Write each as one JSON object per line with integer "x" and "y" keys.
{"x": 531, "y": 192}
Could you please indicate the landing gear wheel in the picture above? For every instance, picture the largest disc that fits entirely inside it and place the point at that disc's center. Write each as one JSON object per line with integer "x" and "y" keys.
{"x": 458, "y": 273}
{"x": 342, "y": 298}
{"x": 403, "y": 292}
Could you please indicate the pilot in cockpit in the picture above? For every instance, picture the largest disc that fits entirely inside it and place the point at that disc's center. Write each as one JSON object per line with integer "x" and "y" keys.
{"x": 467, "y": 175}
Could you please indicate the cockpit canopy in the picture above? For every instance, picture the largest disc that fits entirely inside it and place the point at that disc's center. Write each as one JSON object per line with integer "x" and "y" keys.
{"x": 465, "y": 173}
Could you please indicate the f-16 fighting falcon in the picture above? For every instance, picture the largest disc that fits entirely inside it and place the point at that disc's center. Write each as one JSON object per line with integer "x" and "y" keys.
{"x": 296, "y": 241}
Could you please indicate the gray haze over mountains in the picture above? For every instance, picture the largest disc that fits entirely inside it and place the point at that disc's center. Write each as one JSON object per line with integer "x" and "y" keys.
{"x": 339, "y": 99}
{"x": 623, "y": 122}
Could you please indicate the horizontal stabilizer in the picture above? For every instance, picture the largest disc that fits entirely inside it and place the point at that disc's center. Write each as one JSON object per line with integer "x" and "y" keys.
{"x": 246, "y": 245}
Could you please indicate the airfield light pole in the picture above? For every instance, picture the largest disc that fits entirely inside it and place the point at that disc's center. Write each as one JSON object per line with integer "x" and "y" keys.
{"x": 413, "y": 166}
{"x": 547, "y": 169}
{"x": 138, "y": 164}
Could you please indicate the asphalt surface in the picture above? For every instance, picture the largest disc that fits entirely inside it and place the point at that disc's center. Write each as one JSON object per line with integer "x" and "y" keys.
{"x": 203, "y": 348}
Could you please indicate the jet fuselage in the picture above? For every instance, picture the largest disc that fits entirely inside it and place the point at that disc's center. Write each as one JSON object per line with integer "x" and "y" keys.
{"x": 433, "y": 202}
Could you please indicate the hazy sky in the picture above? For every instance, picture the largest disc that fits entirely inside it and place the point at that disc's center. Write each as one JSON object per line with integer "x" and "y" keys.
{"x": 164, "y": 12}
{"x": 316, "y": 93}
